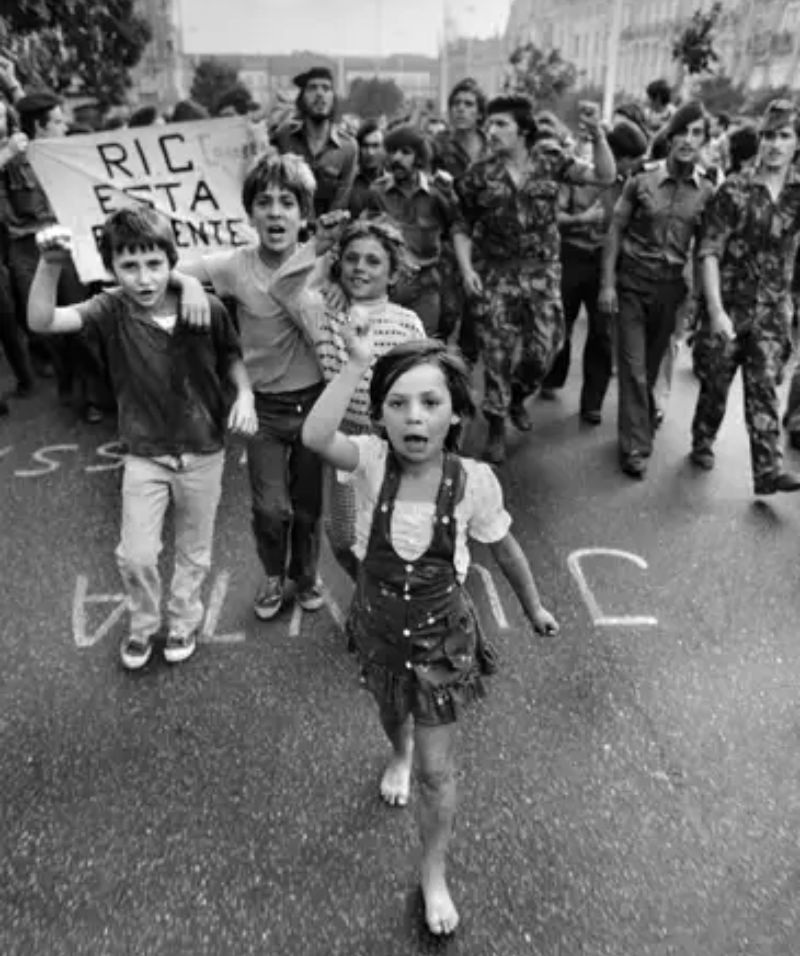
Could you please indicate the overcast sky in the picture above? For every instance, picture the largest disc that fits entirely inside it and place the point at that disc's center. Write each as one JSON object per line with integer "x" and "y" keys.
{"x": 370, "y": 27}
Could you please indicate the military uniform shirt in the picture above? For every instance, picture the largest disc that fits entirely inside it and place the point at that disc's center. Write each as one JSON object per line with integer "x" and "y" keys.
{"x": 755, "y": 241}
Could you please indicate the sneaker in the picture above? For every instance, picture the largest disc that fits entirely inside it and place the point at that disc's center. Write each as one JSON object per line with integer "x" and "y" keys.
{"x": 703, "y": 458}
{"x": 135, "y": 652}
{"x": 180, "y": 647}
{"x": 310, "y": 598}
{"x": 269, "y": 599}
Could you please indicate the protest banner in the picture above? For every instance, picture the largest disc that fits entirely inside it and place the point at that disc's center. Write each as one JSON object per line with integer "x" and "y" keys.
{"x": 192, "y": 172}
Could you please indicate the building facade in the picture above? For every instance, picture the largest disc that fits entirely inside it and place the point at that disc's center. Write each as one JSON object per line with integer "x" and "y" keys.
{"x": 164, "y": 74}
{"x": 758, "y": 40}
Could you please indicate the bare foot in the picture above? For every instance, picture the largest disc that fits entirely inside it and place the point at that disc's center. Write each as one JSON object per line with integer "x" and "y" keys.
{"x": 396, "y": 781}
{"x": 441, "y": 914}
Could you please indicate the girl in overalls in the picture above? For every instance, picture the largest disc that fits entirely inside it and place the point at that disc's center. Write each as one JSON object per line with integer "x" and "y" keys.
{"x": 413, "y": 627}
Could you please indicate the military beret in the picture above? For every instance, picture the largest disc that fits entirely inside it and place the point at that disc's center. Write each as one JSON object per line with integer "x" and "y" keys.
{"x": 627, "y": 140}
{"x": 777, "y": 114}
{"x": 315, "y": 73}
{"x": 683, "y": 117}
{"x": 37, "y": 102}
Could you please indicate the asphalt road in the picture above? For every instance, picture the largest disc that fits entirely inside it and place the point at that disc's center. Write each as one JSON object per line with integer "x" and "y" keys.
{"x": 631, "y": 788}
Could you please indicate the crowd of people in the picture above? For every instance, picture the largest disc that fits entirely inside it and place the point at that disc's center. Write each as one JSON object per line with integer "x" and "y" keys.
{"x": 491, "y": 234}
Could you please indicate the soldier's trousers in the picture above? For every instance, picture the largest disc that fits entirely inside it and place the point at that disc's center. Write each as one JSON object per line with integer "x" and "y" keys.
{"x": 519, "y": 323}
{"x": 762, "y": 358}
{"x": 422, "y": 294}
{"x": 647, "y": 310}
{"x": 580, "y": 286}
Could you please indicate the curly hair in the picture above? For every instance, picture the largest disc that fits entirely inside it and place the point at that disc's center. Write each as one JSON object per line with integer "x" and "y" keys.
{"x": 385, "y": 232}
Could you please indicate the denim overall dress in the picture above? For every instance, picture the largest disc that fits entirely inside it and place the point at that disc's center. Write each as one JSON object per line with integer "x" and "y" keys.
{"x": 411, "y": 623}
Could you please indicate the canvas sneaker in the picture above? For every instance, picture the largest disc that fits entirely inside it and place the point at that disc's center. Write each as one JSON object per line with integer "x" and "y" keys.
{"x": 269, "y": 599}
{"x": 135, "y": 651}
{"x": 180, "y": 647}
{"x": 310, "y": 597}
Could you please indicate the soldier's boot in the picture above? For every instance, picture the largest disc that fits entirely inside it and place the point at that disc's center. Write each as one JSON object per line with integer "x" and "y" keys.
{"x": 495, "y": 450}
{"x": 778, "y": 481}
{"x": 518, "y": 414}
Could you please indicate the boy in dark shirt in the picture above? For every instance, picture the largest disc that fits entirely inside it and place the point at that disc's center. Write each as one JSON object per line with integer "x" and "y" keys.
{"x": 170, "y": 384}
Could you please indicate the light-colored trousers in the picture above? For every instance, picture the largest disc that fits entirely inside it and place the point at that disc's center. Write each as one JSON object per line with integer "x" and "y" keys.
{"x": 193, "y": 483}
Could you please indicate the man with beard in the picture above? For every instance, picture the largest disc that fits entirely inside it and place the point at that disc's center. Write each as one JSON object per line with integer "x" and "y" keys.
{"x": 508, "y": 248}
{"x": 748, "y": 253}
{"x": 371, "y": 164}
{"x": 655, "y": 221}
{"x": 454, "y": 151}
{"x": 423, "y": 212}
{"x": 329, "y": 153}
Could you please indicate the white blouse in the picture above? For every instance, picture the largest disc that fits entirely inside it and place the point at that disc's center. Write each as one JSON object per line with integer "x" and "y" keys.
{"x": 480, "y": 515}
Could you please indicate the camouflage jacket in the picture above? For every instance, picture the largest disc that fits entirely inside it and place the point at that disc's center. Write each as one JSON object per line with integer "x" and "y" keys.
{"x": 755, "y": 242}
{"x": 511, "y": 224}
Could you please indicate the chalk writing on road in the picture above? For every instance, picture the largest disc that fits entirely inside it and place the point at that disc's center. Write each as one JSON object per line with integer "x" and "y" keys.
{"x": 600, "y": 619}
{"x": 48, "y": 460}
{"x": 82, "y": 601}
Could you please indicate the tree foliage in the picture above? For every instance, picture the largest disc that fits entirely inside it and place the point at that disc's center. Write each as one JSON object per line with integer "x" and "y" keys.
{"x": 373, "y": 97}
{"x": 721, "y": 95}
{"x": 694, "y": 46}
{"x": 544, "y": 77}
{"x": 212, "y": 77}
{"x": 86, "y": 45}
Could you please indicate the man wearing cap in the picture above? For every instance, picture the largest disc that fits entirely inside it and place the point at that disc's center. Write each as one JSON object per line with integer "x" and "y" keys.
{"x": 585, "y": 213}
{"x": 25, "y": 209}
{"x": 329, "y": 152}
{"x": 655, "y": 221}
{"x": 747, "y": 254}
{"x": 423, "y": 212}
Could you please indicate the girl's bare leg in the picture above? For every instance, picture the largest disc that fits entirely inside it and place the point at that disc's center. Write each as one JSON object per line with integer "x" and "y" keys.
{"x": 435, "y": 748}
{"x": 396, "y": 780}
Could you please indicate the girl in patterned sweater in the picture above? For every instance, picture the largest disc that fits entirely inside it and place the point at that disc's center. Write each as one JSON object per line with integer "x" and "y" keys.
{"x": 371, "y": 255}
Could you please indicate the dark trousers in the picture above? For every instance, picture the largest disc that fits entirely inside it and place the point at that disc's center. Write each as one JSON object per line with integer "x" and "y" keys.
{"x": 71, "y": 361}
{"x": 422, "y": 294}
{"x": 647, "y": 310}
{"x": 580, "y": 286}
{"x": 286, "y": 486}
{"x": 12, "y": 338}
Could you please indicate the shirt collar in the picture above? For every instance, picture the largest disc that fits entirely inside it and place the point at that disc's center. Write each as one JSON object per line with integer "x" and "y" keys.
{"x": 666, "y": 172}
{"x": 297, "y": 126}
{"x": 422, "y": 184}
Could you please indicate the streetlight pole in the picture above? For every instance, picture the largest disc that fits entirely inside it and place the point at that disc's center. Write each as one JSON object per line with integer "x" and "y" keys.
{"x": 612, "y": 55}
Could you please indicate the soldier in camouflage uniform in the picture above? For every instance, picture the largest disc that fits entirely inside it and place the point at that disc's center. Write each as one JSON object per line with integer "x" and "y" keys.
{"x": 748, "y": 251}
{"x": 454, "y": 151}
{"x": 508, "y": 248}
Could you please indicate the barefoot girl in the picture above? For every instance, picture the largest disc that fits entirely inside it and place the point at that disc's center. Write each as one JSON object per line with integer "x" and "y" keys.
{"x": 371, "y": 254}
{"x": 412, "y": 624}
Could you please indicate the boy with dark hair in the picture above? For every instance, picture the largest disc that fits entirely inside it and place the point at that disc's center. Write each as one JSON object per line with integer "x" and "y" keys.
{"x": 170, "y": 382}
